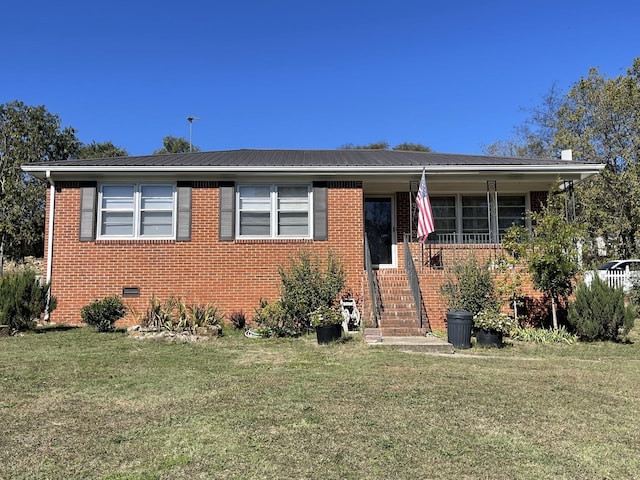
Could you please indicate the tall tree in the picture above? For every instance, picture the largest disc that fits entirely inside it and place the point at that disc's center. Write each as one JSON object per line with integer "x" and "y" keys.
{"x": 599, "y": 119}
{"x": 412, "y": 147}
{"x": 101, "y": 150}
{"x": 535, "y": 137}
{"x": 382, "y": 145}
{"x": 176, "y": 145}
{"x": 27, "y": 134}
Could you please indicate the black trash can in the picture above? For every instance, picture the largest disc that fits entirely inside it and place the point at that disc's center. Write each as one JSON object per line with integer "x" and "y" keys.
{"x": 459, "y": 323}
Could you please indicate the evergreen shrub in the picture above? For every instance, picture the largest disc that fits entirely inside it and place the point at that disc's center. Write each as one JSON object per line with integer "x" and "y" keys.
{"x": 103, "y": 314}
{"x": 23, "y": 300}
{"x": 599, "y": 312}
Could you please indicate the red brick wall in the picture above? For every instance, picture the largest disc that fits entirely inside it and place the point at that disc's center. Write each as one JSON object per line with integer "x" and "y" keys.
{"x": 538, "y": 200}
{"x": 432, "y": 279}
{"x": 233, "y": 275}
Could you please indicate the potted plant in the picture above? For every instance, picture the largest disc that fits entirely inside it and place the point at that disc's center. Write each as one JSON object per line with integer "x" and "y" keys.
{"x": 327, "y": 322}
{"x": 491, "y": 325}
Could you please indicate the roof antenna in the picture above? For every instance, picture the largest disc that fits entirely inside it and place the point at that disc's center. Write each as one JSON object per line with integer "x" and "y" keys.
{"x": 190, "y": 120}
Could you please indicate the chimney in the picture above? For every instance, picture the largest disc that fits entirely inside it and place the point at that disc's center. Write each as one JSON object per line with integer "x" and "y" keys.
{"x": 566, "y": 155}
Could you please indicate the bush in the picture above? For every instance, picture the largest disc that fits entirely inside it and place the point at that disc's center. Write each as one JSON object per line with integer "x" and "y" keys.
{"x": 23, "y": 300}
{"x": 470, "y": 287}
{"x": 175, "y": 314}
{"x": 103, "y": 314}
{"x": 599, "y": 312}
{"x": 238, "y": 320}
{"x": 306, "y": 286}
{"x": 274, "y": 321}
{"x": 543, "y": 335}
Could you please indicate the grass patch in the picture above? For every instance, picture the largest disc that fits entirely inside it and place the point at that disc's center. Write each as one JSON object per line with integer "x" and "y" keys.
{"x": 79, "y": 404}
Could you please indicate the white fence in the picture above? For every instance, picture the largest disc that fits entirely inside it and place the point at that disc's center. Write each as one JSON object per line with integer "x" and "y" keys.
{"x": 619, "y": 279}
{"x": 616, "y": 278}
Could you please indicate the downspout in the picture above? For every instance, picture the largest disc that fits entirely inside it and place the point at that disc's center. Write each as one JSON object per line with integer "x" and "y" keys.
{"x": 52, "y": 201}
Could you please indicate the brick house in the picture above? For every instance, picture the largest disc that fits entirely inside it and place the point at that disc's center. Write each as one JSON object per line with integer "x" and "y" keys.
{"x": 215, "y": 226}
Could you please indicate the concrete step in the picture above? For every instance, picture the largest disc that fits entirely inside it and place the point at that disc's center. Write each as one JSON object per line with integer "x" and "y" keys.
{"x": 372, "y": 335}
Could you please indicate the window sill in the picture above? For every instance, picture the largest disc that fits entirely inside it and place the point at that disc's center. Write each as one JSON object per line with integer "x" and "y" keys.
{"x": 275, "y": 240}
{"x": 126, "y": 241}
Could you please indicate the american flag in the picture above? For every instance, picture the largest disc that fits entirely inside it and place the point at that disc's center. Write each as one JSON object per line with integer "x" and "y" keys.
{"x": 425, "y": 217}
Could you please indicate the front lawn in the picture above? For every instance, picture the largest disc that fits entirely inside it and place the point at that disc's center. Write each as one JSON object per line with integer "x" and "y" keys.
{"x": 79, "y": 404}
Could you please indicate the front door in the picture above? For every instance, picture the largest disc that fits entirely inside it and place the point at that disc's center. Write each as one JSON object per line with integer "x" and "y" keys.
{"x": 379, "y": 227}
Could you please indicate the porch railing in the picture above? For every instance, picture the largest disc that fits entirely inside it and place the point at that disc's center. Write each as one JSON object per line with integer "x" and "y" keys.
{"x": 466, "y": 238}
{"x": 372, "y": 281}
{"x": 412, "y": 276}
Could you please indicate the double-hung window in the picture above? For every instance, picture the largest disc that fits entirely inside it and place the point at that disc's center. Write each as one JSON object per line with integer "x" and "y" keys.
{"x": 444, "y": 214}
{"x": 274, "y": 211}
{"x": 137, "y": 211}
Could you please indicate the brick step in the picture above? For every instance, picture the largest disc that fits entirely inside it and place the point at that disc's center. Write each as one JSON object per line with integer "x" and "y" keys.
{"x": 384, "y": 282}
{"x": 387, "y": 305}
{"x": 398, "y": 317}
{"x": 396, "y": 297}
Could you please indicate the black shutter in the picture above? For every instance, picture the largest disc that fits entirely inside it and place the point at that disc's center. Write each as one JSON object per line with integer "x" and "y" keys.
{"x": 227, "y": 216}
{"x": 320, "y": 217}
{"x": 183, "y": 219}
{"x": 88, "y": 198}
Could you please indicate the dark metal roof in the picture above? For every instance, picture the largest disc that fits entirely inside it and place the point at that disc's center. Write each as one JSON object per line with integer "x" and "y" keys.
{"x": 302, "y": 159}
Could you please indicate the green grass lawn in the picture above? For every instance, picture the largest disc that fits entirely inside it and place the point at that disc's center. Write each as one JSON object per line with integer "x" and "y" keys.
{"x": 78, "y": 404}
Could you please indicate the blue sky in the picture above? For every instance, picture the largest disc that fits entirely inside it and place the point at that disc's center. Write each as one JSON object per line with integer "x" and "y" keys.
{"x": 301, "y": 74}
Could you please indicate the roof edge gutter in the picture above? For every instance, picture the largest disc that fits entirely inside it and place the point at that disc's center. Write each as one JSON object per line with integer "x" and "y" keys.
{"x": 334, "y": 170}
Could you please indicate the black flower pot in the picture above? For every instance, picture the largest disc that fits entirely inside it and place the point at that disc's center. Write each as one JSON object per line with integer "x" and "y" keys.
{"x": 489, "y": 338}
{"x": 328, "y": 333}
{"x": 459, "y": 323}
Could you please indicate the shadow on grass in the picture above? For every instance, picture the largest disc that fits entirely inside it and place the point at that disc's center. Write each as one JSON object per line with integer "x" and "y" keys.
{"x": 55, "y": 328}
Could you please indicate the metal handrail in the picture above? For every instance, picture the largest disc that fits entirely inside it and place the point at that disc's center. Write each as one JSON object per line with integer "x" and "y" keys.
{"x": 374, "y": 290}
{"x": 412, "y": 276}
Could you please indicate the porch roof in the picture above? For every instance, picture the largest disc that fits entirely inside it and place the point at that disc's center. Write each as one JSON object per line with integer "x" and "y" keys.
{"x": 347, "y": 162}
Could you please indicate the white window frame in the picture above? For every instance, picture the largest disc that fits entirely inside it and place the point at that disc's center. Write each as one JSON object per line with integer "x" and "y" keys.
{"x": 274, "y": 211}
{"x": 137, "y": 212}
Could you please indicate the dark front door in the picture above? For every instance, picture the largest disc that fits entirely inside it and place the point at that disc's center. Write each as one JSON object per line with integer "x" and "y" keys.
{"x": 378, "y": 224}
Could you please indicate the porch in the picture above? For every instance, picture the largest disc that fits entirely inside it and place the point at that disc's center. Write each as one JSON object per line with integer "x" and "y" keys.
{"x": 405, "y": 300}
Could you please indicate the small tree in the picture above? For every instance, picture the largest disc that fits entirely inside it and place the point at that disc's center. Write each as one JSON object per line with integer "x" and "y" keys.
{"x": 551, "y": 253}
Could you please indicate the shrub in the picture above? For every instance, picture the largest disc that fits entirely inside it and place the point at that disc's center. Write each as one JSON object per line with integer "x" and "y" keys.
{"x": 23, "y": 300}
{"x": 159, "y": 315}
{"x": 274, "y": 321}
{"x": 470, "y": 287}
{"x": 175, "y": 314}
{"x": 543, "y": 335}
{"x": 492, "y": 319}
{"x": 306, "y": 286}
{"x": 103, "y": 314}
{"x": 325, "y": 315}
{"x": 238, "y": 320}
{"x": 599, "y": 312}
